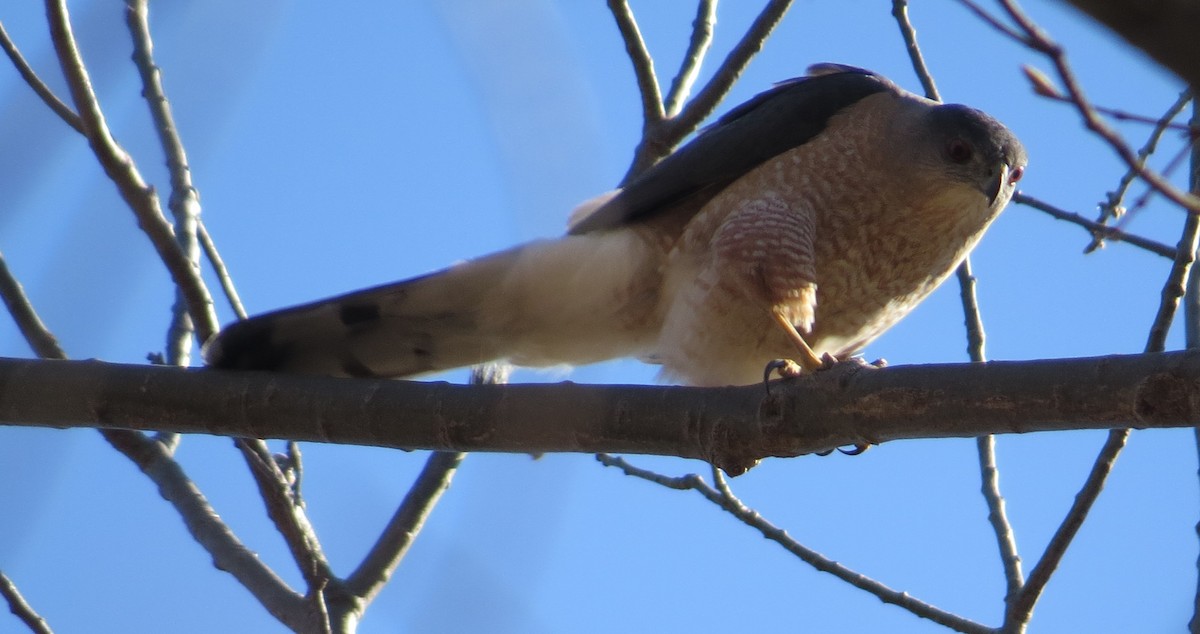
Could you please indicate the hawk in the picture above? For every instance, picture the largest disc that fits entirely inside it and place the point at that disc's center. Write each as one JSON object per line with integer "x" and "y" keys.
{"x": 802, "y": 224}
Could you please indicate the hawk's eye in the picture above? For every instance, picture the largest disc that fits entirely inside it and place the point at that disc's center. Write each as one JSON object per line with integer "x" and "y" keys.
{"x": 959, "y": 150}
{"x": 1016, "y": 174}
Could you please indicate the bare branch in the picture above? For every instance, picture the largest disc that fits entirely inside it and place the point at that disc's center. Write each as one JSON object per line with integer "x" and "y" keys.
{"x": 1173, "y": 289}
{"x": 1105, "y": 231}
{"x": 377, "y": 568}
{"x": 643, "y": 63}
{"x": 206, "y": 527}
{"x": 702, "y": 35}
{"x": 994, "y": 22}
{"x": 732, "y": 505}
{"x": 728, "y": 72}
{"x": 286, "y": 513}
{"x": 21, "y": 608}
{"x": 218, "y": 264}
{"x": 1123, "y": 115}
{"x": 909, "y": 33}
{"x": 1112, "y": 207}
{"x": 1037, "y": 39}
{"x": 1006, "y": 539}
{"x": 61, "y": 109}
{"x": 658, "y": 140}
{"x": 119, "y": 167}
{"x": 1175, "y": 286}
{"x": 1021, "y": 609}
{"x": 284, "y": 509}
{"x": 730, "y": 427}
{"x": 154, "y": 459}
{"x": 43, "y": 342}
{"x": 184, "y": 202}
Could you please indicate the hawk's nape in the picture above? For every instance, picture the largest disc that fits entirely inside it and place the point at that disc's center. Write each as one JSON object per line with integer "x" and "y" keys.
{"x": 816, "y": 214}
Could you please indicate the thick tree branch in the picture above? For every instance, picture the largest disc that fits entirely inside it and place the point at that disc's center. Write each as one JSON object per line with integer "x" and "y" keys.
{"x": 729, "y": 427}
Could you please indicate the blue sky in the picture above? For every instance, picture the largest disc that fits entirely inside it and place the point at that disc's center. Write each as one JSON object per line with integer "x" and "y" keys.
{"x": 336, "y": 148}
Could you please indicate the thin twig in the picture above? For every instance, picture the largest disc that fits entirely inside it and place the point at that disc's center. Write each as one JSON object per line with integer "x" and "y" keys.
{"x": 1175, "y": 287}
{"x": 721, "y": 483}
{"x": 993, "y": 22}
{"x": 1037, "y": 39}
{"x": 909, "y": 33}
{"x": 222, "y": 273}
{"x": 184, "y": 202}
{"x": 120, "y": 168}
{"x": 21, "y": 608}
{"x": 972, "y": 317}
{"x": 27, "y": 73}
{"x": 286, "y": 513}
{"x": 1021, "y": 609}
{"x": 377, "y": 567}
{"x": 1114, "y": 200}
{"x": 35, "y": 332}
{"x": 659, "y": 140}
{"x": 1107, "y": 232}
{"x": 731, "y": 504}
{"x": 730, "y": 69}
{"x": 643, "y": 63}
{"x": 389, "y": 550}
{"x": 1164, "y": 123}
{"x": 202, "y": 521}
{"x": 702, "y": 35}
{"x": 1178, "y": 159}
{"x": 1006, "y": 539}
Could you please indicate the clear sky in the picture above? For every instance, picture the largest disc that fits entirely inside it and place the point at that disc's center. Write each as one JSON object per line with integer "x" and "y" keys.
{"x": 337, "y": 146}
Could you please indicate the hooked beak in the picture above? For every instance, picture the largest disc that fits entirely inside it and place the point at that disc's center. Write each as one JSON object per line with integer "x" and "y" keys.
{"x": 1006, "y": 178}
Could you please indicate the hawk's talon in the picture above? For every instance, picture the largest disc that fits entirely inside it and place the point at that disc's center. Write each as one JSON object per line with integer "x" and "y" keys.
{"x": 859, "y": 449}
{"x": 786, "y": 368}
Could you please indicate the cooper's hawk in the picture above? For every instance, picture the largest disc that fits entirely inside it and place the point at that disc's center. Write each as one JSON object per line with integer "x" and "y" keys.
{"x": 812, "y": 217}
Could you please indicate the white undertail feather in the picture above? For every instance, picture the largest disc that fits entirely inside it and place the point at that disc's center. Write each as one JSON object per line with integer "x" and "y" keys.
{"x": 547, "y": 302}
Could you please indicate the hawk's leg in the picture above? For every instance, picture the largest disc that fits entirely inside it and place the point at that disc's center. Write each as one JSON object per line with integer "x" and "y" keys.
{"x": 808, "y": 359}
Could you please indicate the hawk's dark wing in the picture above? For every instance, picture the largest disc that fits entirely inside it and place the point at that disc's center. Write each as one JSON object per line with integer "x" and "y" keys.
{"x": 773, "y": 122}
